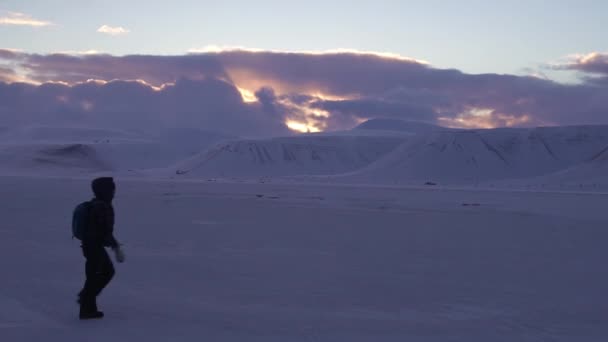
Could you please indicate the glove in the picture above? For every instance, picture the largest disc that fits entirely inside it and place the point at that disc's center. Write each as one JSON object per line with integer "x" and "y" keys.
{"x": 119, "y": 254}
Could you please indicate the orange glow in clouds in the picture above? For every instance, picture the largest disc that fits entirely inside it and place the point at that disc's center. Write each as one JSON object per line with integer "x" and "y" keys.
{"x": 301, "y": 127}
{"x": 247, "y": 95}
{"x": 483, "y": 118}
{"x": 306, "y": 118}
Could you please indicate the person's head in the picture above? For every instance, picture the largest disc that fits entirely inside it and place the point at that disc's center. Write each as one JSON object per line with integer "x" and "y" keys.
{"x": 104, "y": 188}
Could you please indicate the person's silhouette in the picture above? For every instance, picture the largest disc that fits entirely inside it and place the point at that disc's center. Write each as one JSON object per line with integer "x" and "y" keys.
{"x": 98, "y": 234}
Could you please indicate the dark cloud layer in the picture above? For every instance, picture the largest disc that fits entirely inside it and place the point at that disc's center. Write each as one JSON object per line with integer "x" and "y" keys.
{"x": 9, "y": 54}
{"x": 592, "y": 63}
{"x": 336, "y": 73}
{"x": 376, "y": 108}
{"x": 211, "y": 104}
{"x": 155, "y": 70}
{"x": 330, "y": 91}
{"x": 7, "y": 74}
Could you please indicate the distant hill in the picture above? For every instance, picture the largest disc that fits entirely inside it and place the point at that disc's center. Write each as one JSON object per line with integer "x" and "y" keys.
{"x": 465, "y": 156}
{"x": 66, "y": 151}
{"x": 382, "y": 151}
{"x": 50, "y": 160}
{"x": 298, "y": 155}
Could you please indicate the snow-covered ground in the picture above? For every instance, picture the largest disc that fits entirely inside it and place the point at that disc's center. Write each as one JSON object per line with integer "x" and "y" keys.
{"x": 210, "y": 261}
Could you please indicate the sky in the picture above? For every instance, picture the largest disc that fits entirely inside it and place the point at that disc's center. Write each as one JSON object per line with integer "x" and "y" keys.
{"x": 456, "y": 63}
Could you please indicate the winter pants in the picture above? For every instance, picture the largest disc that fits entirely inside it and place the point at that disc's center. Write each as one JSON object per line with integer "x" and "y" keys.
{"x": 99, "y": 271}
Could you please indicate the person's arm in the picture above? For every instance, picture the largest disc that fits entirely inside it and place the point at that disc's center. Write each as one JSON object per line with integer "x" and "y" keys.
{"x": 111, "y": 242}
{"x": 109, "y": 239}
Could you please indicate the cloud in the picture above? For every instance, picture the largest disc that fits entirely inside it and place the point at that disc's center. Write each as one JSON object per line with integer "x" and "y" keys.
{"x": 210, "y": 104}
{"x": 226, "y": 49}
{"x": 375, "y": 107}
{"x": 22, "y": 19}
{"x": 594, "y": 62}
{"x": 11, "y": 53}
{"x": 342, "y": 73}
{"x": 7, "y": 75}
{"x": 113, "y": 30}
{"x": 81, "y": 52}
{"x": 310, "y": 90}
{"x": 155, "y": 70}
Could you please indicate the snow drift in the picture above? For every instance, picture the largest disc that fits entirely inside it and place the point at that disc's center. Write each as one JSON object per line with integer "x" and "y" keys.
{"x": 50, "y": 159}
{"x": 80, "y": 150}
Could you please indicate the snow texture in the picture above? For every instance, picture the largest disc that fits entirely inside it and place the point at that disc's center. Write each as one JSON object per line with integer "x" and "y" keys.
{"x": 286, "y": 262}
{"x": 389, "y": 232}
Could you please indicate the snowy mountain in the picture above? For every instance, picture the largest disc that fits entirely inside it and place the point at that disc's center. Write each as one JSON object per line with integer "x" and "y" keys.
{"x": 466, "y": 156}
{"x": 438, "y": 155}
{"x": 589, "y": 173}
{"x": 378, "y": 151}
{"x": 299, "y": 155}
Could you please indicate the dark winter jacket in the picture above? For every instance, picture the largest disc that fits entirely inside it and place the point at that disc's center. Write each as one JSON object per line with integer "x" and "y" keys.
{"x": 100, "y": 230}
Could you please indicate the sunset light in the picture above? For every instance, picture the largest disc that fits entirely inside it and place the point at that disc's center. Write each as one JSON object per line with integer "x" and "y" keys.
{"x": 247, "y": 95}
{"x": 301, "y": 127}
{"x": 297, "y": 171}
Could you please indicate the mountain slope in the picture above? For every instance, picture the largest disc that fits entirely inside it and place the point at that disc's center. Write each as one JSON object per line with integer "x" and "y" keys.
{"x": 299, "y": 155}
{"x": 478, "y": 155}
{"x": 50, "y": 159}
{"x": 591, "y": 172}
{"x": 65, "y": 151}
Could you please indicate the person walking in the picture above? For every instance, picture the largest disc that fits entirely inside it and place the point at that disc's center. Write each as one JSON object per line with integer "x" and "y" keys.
{"x": 96, "y": 235}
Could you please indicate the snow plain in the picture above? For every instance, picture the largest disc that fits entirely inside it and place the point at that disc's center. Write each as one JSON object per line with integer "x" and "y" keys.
{"x": 248, "y": 261}
{"x": 390, "y": 232}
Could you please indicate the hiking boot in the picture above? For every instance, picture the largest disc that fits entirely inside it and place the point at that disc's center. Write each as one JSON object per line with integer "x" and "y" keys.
{"x": 91, "y": 315}
{"x": 88, "y": 308}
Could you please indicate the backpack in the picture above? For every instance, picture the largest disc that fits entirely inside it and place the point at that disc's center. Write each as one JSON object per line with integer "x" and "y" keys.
{"x": 80, "y": 219}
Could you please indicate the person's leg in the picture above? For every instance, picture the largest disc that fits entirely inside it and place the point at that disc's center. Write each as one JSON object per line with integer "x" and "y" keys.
{"x": 90, "y": 268}
{"x": 105, "y": 272}
{"x": 88, "y": 305}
